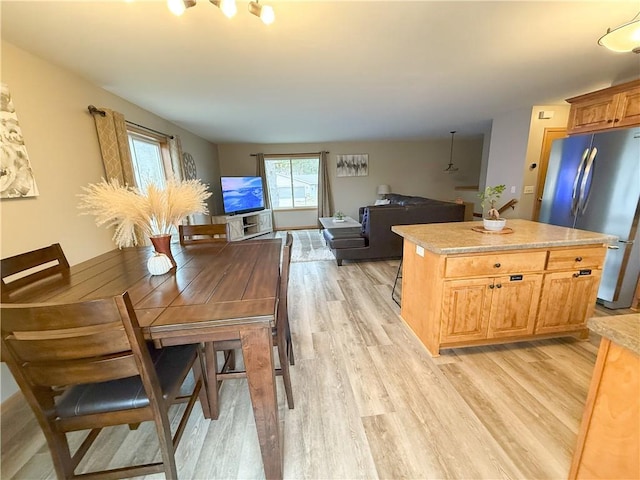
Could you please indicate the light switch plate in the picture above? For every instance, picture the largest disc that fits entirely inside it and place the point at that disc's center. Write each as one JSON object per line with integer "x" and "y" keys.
{"x": 528, "y": 189}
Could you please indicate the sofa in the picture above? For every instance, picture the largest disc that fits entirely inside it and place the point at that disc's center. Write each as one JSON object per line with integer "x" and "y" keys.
{"x": 375, "y": 240}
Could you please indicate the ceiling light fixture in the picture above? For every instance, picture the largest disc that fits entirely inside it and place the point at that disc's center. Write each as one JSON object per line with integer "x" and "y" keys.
{"x": 177, "y": 7}
{"x": 625, "y": 38}
{"x": 450, "y": 168}
{"x": 264, "y": 12}
{"x": 228, "y": 8}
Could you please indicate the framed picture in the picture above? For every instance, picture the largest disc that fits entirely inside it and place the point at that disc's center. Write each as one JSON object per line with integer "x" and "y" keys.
{"x": 17, "y": 179}
{"x": 353, "y": 165}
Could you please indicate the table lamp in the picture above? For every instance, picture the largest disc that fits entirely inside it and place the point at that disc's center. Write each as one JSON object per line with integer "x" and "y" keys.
{"x": 383, "y": 190}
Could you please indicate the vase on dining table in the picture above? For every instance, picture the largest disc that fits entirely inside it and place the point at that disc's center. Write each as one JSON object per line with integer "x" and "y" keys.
{"x": 162, "y": 245}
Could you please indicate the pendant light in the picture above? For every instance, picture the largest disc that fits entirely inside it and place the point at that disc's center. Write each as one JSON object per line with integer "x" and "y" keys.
{"x": 451, "y": 168}
{"x": 625, "y": 38}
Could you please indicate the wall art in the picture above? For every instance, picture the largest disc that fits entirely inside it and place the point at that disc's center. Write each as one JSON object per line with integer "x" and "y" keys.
{"x": 353, "y": 165}
{"x": 16, "y": 176}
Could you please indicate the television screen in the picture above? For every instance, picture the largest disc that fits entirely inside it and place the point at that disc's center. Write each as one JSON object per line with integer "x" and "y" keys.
{"x": 242, "y": 194}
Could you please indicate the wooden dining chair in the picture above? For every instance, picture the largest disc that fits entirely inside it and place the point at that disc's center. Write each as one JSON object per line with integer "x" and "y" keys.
{"x": 281, "y": 334}
{"x": 30, "y": 267}
{"x": 205, "y": 233}
{"x": 112, "y": 377}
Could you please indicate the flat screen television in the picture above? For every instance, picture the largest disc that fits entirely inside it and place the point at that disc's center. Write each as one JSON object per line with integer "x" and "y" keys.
{"x": 242, "y": 194}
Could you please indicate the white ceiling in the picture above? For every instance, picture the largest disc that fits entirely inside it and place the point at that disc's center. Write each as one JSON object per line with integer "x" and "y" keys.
{"x": 330, "y": 71}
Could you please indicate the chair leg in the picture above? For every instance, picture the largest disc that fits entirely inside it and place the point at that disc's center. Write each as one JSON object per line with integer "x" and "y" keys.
{"x": 395, "y": 284}
{"x": 166, "y": 447}
{"x": 200, "y": 370}
{"x": 292, "y": 360}
{"x": 284, "y": 366}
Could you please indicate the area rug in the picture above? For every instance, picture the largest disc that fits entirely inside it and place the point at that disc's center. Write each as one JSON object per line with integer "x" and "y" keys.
{"x": 308, "y": 246}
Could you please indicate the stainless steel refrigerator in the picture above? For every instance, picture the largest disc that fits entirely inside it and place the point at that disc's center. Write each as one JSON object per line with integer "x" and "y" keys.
{"x": 593, "y": 183}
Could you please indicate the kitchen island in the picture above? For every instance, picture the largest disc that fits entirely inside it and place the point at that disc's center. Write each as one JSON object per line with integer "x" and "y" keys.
{"x": 462, "y": 288}
{"x": 608, "y": 443}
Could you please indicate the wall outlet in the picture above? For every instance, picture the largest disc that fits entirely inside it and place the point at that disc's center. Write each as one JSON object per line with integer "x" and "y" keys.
{"x": 528, "y": 189}
{"x": 420, "y": 250}
{"x": 513, "y": 189}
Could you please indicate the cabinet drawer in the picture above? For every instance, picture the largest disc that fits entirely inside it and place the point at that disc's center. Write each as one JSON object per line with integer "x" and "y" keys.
{"x": 495, "y": 264}
{"x": 576, "y": 258}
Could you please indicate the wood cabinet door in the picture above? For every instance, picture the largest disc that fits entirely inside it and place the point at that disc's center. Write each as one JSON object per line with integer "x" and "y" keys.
{"x": 628, "y": 109}
{"x": 514, "y": 305}
{"x": 567, "y": 300}
{"x": 591, "y": 115}
{"x": 466, "y": 305}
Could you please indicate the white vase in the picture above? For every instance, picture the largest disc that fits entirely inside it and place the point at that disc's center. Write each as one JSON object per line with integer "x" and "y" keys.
{"x": 494, "y": 225}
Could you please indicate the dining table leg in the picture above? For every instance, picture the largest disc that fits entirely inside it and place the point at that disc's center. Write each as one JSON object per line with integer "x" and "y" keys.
{"x": 257, "y": 351}
{"x": 211, "y": 367}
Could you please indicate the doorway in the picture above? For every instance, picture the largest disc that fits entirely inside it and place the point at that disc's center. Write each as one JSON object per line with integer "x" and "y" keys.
{"x": 550, "y": 134}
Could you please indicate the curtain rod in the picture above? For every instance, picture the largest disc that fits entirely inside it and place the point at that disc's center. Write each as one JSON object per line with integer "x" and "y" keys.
{"x": 94, "y": 110}
{"x": 289, "y": 154}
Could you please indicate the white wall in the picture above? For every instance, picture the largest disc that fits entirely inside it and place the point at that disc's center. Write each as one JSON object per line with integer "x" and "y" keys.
{"x": 560, "y": 117}
{"x": 411, "y": 168}
{"x": 516, "y": 138}
{"x": 60, "y": 137}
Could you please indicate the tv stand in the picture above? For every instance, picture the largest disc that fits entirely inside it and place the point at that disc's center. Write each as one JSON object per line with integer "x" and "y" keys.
{"x": 242, "y": 226}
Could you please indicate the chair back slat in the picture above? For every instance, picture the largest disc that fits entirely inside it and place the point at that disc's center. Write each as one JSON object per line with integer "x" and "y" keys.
{"x": 58, "y": 345}
{"x": 26, "y": 262}
{"x": 205, "y": 233}
{"x": 52, "y": 319}
{"x": 79, "y": 372}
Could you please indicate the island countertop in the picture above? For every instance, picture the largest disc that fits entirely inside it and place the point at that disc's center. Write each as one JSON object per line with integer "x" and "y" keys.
{"x": 457, "y": 237}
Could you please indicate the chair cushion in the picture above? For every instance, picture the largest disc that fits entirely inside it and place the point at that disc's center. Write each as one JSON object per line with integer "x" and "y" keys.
{"x": 344, "y": 237}
{"x": 171, "y": 364}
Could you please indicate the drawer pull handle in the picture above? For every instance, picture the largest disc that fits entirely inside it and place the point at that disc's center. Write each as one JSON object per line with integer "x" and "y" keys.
{"x": 499, "y": 285}
{"x": 576, "y": 275}
{"x": 578, "y": 259}
{"x": 491, "y": 286}
{"x": 496, "y": 265}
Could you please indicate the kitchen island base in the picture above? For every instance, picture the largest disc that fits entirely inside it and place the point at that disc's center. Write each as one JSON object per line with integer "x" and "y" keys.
{"x": 499, "y": 292}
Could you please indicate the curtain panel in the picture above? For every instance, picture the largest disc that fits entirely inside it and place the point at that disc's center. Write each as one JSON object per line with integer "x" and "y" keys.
{"x": 261, "y": 171}
{"x": 325, "y": 199}
{"x": 175, "y": 151}
{"x": 114, "y": 146}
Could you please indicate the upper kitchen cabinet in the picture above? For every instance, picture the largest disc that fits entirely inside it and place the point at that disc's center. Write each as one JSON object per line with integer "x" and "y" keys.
{"x": 613, "y": 107}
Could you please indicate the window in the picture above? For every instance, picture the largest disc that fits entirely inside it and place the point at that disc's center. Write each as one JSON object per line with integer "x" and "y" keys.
{"x": 150, "y": 159}
{"x": 292, "y": 182}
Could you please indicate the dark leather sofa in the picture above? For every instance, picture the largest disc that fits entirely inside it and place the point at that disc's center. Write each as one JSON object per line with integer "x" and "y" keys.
{"x": 375, "y": 239}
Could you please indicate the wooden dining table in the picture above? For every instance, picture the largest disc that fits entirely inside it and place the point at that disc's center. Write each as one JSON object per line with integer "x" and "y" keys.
{"x": 219, "y": 291}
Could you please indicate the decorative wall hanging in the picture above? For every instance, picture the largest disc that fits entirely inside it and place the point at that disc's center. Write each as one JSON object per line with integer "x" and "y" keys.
{"x": 16, "y": 176}
{"x": 188, "y": 166}
{"x": 355, "y": 165}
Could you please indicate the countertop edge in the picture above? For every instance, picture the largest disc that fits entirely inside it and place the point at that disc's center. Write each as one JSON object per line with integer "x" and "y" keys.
{"x": 519, "y": 246}
{"x": 445, "y": 238}
{"x": 623, "y": 330}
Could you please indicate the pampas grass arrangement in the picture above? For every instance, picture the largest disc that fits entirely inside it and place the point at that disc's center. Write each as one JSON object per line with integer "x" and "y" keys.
{"x": 157, "y": 211}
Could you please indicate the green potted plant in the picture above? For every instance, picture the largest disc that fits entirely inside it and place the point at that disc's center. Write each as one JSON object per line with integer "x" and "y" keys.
{"x": 338, "y": 216}
{"x": 489, "y": 197}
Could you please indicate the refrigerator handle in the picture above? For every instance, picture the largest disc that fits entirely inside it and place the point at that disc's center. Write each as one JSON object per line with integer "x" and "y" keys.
{"x": 574, "y": 191}
{"x": 584, "y": 195}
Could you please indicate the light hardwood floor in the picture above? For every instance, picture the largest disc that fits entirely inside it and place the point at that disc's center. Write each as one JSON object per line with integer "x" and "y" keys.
{"x": 370, "y": 401}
